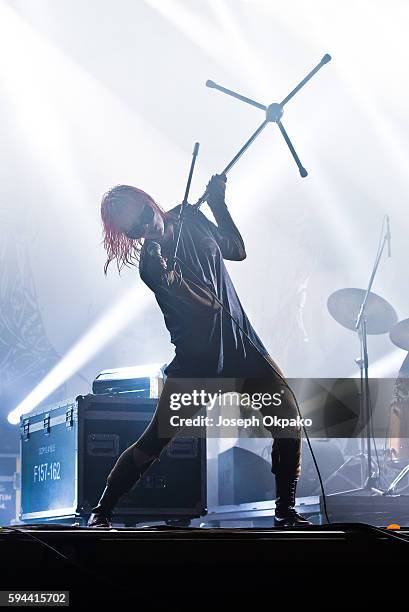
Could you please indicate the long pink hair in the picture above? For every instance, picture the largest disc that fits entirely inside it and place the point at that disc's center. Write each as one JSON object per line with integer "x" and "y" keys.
{"x": 118, "y": 246}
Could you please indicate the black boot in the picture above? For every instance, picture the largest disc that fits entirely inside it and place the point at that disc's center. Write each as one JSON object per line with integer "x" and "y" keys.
{"x": 120, "y": 480}
{"x": 102, "y": 513}
{"x": 285, "y": 514}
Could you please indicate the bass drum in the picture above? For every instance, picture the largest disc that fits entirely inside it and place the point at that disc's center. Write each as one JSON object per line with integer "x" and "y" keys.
{"x": 397, "y": 448}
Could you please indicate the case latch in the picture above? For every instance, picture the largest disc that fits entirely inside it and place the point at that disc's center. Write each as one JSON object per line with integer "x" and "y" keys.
{"x": 46, "y": 424}
{"x": 69, "y": 417}
{"x": 25, "y": 429}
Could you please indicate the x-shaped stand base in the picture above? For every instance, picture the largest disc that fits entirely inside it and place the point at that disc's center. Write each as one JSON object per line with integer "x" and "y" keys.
{"x": 274, "y": 113}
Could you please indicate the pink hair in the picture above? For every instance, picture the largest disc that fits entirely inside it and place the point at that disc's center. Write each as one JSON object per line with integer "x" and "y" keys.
{"x": 118, "y": 246}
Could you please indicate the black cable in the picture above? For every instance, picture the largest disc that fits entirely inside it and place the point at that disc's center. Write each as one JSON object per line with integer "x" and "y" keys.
{"x": 276, "y": 372}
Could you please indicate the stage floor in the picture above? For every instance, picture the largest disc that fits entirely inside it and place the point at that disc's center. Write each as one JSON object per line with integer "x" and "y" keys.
{"x": 119, "y": 564}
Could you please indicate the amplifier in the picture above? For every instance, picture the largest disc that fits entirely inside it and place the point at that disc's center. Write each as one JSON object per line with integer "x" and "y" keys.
{"x": 244, "y": 477}
{"x": 68, "y": 450}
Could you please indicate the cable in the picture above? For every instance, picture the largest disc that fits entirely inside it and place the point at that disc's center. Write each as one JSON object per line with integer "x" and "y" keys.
{"x": 275, "y": 371}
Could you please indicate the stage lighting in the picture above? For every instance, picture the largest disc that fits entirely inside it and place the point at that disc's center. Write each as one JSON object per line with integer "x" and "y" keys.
{"x": 100, "y": 334}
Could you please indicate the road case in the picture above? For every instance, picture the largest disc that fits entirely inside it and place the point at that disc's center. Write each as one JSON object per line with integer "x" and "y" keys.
{"x": 68, "y": 449}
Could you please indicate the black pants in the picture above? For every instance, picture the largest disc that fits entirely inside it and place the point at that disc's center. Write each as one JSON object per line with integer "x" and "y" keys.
{"x": 286, "y": 449}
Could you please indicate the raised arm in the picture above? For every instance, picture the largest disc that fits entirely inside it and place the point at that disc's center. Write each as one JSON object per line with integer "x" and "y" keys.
{"x": 226, "y": 233}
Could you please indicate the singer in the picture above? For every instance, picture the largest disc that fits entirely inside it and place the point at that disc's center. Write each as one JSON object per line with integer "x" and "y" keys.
{"x": 208, "y": 342}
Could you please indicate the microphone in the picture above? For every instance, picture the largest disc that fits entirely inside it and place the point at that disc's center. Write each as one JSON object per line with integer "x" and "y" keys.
{"x": 388, "y": 236}
{"x": 154, "y": 249}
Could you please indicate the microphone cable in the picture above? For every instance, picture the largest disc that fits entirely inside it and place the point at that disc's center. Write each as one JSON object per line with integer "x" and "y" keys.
{"x": 285, "y": 383}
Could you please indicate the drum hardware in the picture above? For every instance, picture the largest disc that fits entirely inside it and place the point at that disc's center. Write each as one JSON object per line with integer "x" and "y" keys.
{"x": 365, "y": 313}
{"x": 398, "y": 439}
{"x": 399, "y": 335}
{"x": 391, "y": 489}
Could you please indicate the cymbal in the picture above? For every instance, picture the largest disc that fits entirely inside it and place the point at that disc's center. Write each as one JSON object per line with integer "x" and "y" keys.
{"x": 344, "y": 306}
{"x": 399, "y": 334}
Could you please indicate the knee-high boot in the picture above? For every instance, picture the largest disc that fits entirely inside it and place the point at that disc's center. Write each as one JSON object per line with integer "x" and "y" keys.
{"x": 285, "y": 513}
{"x": 286, "y": 465}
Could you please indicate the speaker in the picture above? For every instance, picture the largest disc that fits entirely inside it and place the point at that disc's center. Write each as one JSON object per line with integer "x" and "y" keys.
{"x": 246, "y": 477}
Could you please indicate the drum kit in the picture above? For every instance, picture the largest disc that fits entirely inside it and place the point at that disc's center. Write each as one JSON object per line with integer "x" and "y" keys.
{"x": 368, "y": 313}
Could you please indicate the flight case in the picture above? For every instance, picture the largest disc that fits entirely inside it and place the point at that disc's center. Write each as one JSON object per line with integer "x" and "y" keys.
{"x": 68, "y": 449}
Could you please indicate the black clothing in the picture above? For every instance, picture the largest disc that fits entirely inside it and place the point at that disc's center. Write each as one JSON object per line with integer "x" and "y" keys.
{"x": 207, "y": 341}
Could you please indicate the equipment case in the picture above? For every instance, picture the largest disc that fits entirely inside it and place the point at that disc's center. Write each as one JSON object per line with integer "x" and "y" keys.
{"x": 68, "y": 450}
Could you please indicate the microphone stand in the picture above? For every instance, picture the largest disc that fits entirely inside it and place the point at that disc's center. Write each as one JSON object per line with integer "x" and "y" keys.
{"x": 360, "y": 325}
{"x": 372, "y": 482}
{"x": 274, "y": 112}
{"x": 184, "y": 204}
